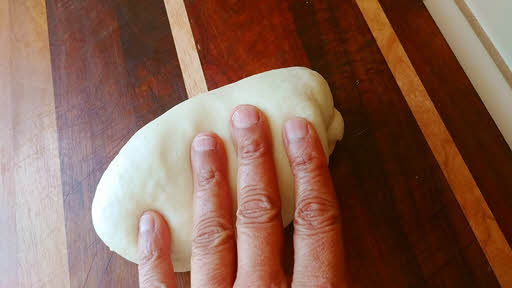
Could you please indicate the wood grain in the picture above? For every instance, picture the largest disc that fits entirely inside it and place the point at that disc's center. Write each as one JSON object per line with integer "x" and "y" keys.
{"x": 473, "y": 130}
{"x": 401, "y": 221}
{"x": 459, "y": 178}
{"x": 185, "y": 48}
{"x": 190, "y": 66}
{"x": 33, "y": 245}
{"x": 115, "y": 69}
{"x": 224, "y": 31}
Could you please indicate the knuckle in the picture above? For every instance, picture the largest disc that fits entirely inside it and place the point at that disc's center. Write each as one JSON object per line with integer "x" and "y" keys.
{"x": 150, "y": 279}
{"x": 149, "y": 257}
{"x": 308, "y": 161}
{"x": 316, "y": 214}
{"x": 210, "y": 233}
{"x": 251, "y": 148}
{"x": 257, "y": 207}
{"x": 207, "y": 177}
{"x": 309, "y": 182}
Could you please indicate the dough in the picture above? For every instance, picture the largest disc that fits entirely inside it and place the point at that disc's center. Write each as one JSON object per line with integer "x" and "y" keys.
{"x": 152, "y": 171}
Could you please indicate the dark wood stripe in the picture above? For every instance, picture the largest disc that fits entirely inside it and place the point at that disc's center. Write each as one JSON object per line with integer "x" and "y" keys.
{"x": 114, "y": 69}
{"x": 479, "y": 141}
{"x": 471, "y": 201}
{"x": 402, "y": 225}
{"x": 267, "y": 39}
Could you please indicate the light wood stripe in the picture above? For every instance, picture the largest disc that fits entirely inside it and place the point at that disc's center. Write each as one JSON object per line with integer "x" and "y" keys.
{"x": 452, "y": 164}
{"x": 191, "y": 69}
{"x": 185, "y": 47}
{"x": 33, "y": 250}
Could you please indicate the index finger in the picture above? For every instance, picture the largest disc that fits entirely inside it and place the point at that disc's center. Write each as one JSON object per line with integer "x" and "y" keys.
{"x": 213, "y": 244}
{"x": 317, "y": 236}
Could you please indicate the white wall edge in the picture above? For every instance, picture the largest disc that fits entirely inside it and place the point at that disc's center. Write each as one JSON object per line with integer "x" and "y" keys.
{"x": 480, "y": 68}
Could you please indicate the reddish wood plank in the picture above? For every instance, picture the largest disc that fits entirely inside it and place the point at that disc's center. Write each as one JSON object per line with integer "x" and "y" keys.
{"x": 265, "y": 39}
{"x": 402, "y": 225}
{"x": 468, "y": 195}
{"x": 114, "y": 69}
{"x": 481, "y": 144}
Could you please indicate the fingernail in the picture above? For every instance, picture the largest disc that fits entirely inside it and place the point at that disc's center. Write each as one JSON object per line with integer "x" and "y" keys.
{"x": 204, "y": 143}
{"x": 295, "y": 129}
{"x": 245, "y": 117}
{"x": 146, "y": 224}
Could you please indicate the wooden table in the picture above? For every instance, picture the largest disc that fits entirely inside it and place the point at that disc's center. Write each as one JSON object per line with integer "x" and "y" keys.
{"x": 423, "y": 175}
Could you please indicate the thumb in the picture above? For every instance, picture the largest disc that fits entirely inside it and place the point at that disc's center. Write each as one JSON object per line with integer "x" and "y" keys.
{"x": 155, "y": 266}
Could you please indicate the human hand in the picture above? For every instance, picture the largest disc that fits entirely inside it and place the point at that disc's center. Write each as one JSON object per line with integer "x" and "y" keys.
{"x": 317, "y": 235}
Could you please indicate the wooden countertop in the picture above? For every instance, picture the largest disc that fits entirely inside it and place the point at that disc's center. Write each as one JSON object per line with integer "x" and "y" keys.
{"x": 423, "y": 175}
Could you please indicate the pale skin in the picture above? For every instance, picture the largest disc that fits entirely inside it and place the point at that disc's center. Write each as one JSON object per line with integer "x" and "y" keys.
{"x": 252, "y": 258}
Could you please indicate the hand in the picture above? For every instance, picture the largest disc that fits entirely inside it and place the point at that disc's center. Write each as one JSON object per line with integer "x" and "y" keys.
{"x": 317, "y": 226}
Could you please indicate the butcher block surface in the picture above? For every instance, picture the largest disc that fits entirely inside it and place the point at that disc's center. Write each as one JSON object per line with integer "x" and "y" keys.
{"x": 423, "y": 175}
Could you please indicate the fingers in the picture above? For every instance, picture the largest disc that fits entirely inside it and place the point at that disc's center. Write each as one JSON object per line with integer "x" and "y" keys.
{"x": 155, "y": 266}
{"x": 213, "y": 246}
{"x": 317, "y": 236}
{"x": 259, "y": 224}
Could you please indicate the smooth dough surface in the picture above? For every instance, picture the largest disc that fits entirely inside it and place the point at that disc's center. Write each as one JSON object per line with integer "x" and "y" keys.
{"x": 152, "y": 171}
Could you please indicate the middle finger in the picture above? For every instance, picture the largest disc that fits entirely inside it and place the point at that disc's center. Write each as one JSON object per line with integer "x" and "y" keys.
{"x": 259, "y": 224}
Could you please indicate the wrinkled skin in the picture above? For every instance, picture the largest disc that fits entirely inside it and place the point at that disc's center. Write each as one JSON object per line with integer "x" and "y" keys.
{"x": 317, "y": 238}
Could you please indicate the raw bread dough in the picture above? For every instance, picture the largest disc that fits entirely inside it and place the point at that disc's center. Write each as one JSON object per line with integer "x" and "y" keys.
{"x": 152, "y": 171}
